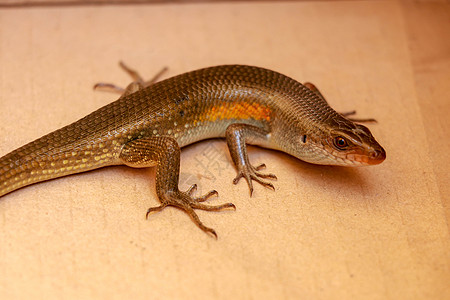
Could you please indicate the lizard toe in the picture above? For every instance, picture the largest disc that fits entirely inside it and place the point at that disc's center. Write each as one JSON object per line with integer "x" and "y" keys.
{"x": 251, "y": 174}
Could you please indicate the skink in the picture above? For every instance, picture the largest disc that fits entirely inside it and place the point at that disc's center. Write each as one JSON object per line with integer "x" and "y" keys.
{"x": 149, "y": 124}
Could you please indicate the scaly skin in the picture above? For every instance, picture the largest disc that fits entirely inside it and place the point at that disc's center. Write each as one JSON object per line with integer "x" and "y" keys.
{"x": 149, "y": 124}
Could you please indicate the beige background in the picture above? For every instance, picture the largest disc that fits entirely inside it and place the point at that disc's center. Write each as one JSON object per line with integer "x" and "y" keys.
{"x": 326, "y": 233}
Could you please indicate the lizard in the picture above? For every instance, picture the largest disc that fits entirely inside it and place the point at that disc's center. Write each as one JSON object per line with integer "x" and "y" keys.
{"x": 151, "y": 121}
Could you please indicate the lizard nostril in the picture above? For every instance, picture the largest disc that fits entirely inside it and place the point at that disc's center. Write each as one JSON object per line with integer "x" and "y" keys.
{"x": 377, "y": 156}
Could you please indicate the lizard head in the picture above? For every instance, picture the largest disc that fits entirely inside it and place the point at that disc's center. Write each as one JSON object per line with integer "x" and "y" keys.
{"x": 345, "y": 144}
{"x": 348, "y": 145}
{"x": 354, "y": 146}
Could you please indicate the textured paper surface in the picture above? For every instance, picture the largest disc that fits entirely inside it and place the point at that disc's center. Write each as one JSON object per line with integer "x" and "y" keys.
{"x": 326, "y": 233}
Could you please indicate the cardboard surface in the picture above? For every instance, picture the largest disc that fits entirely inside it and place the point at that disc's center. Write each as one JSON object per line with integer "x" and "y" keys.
{"x": 326, "y": 232}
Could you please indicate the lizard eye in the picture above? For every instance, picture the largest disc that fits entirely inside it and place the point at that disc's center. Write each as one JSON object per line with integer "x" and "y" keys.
{"x": 340, "y": 142}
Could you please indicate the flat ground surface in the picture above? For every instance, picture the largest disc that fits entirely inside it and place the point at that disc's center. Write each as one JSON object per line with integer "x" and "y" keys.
{"x": 380, "y": 232}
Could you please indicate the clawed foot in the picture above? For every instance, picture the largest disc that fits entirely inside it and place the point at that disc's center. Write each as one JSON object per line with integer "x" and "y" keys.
{"x": 137, "y": 84}
{"x": 252, "y": 173}
{"x": 352, "y": 113}
{"x": 186, "y": 202}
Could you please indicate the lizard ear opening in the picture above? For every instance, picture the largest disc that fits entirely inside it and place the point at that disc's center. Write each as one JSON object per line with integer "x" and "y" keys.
{"x": 304, "y": 139}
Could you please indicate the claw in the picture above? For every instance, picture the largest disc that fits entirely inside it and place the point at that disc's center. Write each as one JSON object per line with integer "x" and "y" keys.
{"x": 267, "y": 184}
{"x": 207, "y": 196}
{"x": 270, "y": 175}
{"x": 237, "y": 178}
{"x": 260, "y": 167}
{"x": 209, "y": 230}
{"x": 192, "y": 189}
{"x": 155, "y": 209}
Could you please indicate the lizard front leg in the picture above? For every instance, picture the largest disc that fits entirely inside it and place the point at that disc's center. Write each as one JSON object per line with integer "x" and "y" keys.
{"x": 164, "y": 152}
{"x": 238, "y": 135}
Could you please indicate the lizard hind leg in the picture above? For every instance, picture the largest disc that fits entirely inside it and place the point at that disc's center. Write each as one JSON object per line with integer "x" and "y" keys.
{"x": 357, "y": 120}
{"x": 137, "y": 84}
{"x": 314, "y": 89}
{"x": 138, "y": 78}
{"x": 164, "y": 152}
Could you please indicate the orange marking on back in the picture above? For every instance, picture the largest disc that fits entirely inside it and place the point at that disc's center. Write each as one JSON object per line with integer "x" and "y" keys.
{"x": 240, "y": 110}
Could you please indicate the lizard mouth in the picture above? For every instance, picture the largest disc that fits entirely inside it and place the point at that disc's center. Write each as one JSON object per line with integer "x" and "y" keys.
{"x": 357, "y": 156}
{"x": 374, "y": 157}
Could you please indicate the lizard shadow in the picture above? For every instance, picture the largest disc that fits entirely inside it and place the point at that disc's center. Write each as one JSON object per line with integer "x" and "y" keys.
{"x": 327, "y": 178}
{"x": 348, "y": 180}
{"x": 336, "y": 178}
